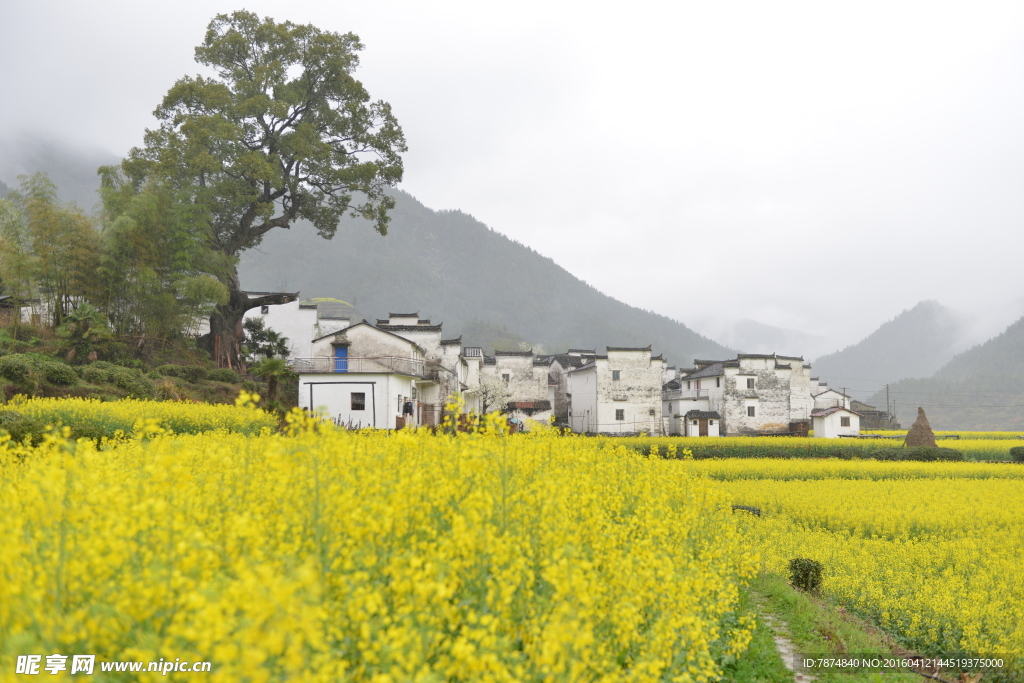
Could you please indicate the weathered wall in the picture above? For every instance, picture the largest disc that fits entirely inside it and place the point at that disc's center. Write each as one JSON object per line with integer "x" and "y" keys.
{"x": 366, "y": 341}
{"x": 830, "y": 426}
{"x": 333, "y": 396}
{"x": 297, "y": 324}
{"x": 637, "y": 392}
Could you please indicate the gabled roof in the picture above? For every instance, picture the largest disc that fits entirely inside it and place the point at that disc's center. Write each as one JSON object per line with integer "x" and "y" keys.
{"x": 702, "y": 415}
{"x": 830, "y": 391}
{"x": 248, "y": 293}
{"x": 713, "y": 370}
{"x": 671, "y": 385}
{"x": 405, "y": 315}
{"x": 627, "y": 348}
{"x": 410, "y": 328}
{"x": 452, "y": 342}
{"x": 834, "y": 409}
{"x": 367, "y": 323}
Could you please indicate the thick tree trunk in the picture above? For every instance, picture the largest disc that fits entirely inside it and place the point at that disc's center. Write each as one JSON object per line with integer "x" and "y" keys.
{"x": 224, "y": 341}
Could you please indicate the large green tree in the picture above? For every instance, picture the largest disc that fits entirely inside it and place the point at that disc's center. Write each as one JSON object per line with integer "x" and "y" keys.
{"x": 280, "y": 131}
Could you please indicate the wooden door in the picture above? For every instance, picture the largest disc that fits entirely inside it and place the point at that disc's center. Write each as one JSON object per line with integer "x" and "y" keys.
{"x": 703, "y": 428}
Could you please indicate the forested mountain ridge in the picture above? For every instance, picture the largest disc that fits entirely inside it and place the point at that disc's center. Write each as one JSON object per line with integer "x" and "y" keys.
{"x": 915, "y": 343}
{"x": 981, "y": 388}
{"x": 452, "y": 268}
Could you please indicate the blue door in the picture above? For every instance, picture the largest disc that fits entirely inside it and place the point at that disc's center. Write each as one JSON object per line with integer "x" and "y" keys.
{"x": 341, "y": 359}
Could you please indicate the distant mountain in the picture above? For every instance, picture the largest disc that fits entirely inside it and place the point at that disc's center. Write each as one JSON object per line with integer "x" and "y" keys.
{"x": 981, "y": 388}
{"x": 915, "y": 343}
{"x": 444, "y": 264}
{"x": 452, "y": 268}
{"x": 4, "y": 190}
{"x": 73, "y": 170}
{"x": 751, "y": 336}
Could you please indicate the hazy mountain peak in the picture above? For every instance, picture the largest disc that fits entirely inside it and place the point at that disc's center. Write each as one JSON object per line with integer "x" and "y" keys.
{"x": 915, "y": 343}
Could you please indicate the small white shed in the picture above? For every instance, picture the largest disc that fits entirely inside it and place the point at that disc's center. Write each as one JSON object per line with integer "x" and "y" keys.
{"x": 831, "y": 423}
{"x": 702, "y": 423}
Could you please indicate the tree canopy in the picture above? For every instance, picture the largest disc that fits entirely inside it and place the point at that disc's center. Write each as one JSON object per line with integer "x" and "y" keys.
{"x": 280, "y": 131}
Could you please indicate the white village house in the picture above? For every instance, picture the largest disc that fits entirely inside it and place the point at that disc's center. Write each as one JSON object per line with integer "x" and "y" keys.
{"x": 750, "y": 394}
{"x": 617, "y": 393}
{"x": 363, "y": 375}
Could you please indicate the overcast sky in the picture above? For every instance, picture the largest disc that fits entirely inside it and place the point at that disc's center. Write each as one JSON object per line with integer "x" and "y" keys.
{"x": 816, "y": 166}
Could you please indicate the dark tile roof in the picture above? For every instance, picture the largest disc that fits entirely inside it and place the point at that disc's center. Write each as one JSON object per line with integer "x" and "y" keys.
{"x": 528, "y": 405}
{"x": 796, "y": 358}
{"x": 671, "y": 385}
{"x": 780, "y": 366}
{"x": 702, "y": 415}
{"x": 405, "y": 315}
{"x": 730, "y": 364}
{"x": 423, "y": 322}
{"x": 334, "y": 317}
{"x": 383, "y": 321}
{"x": 828, "y": 411}
{"x": 540, "y": 361}
{"x": 568, "y": 361}
{"x": 513, "y": 353}
{"x": 313, "y": 306}
{"x": 755, "y": 356}
{"x": 583, "y": 351}
{"x": 452, "y": 342}
{"x": 489, "y": 360}
{"x": 698, "y": 361}
{"x": 658, "y": 357}
{"x": 627, "y": 348}
{"x": 713, "y": 370}
{"x": 410, "y": 328}
{"x": 248, "y": 293}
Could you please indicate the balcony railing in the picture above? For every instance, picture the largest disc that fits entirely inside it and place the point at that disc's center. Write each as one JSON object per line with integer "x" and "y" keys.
{"x": 376, "y": 364}
{"x": 677, "y": 394}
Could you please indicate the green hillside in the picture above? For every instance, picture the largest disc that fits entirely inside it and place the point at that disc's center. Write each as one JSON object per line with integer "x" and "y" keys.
{"x": 452, "y": 268}
{"x": 915, "y": 343}
{"x": 982, "y": 388}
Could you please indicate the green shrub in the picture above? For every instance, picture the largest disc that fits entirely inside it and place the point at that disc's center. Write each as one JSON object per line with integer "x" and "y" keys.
{"x": 189, "y": 373}
{"x": 1017, "y": 453}
{"x": 16, "y": 368}
{"x": 223, "y": 375}
{"x": 20, "y": 426}
{"x": 250, "y": 386}
{"x": 932, "y": 454}
{"x": 131, "y": 381}
{"x": 805, "y": 574}
{"x": 101, "y": 365}
{"x": 153, "y": 374}
{"x": 58, "y": 373}
{"x": 96, "y": 375}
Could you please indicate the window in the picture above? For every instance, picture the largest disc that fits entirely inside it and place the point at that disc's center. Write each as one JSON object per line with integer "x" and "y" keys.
{"x": 694, "y": 423}
{"x": 358, "y": 401}
{"x": 505, "y": 378}
{"x": 844, "y": 422}
{"x": 750, "y": 383}
{"x": 620, "y": 414}
{"x": 750, "y": 411}
{"x": 687, "y": 385}
{"x": 670, "y": 407}
{"x": 718, "y": 381}
{"x": 651, "y": 412}
{"x": 711, "y": 422}
{"x": 615, "y": 374}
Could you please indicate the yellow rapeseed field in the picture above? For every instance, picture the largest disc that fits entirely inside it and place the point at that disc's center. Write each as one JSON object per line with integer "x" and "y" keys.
{"x": 126, "y": 415}
{"x": 334, "y": 556}
{"x": 930, "y": 551}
